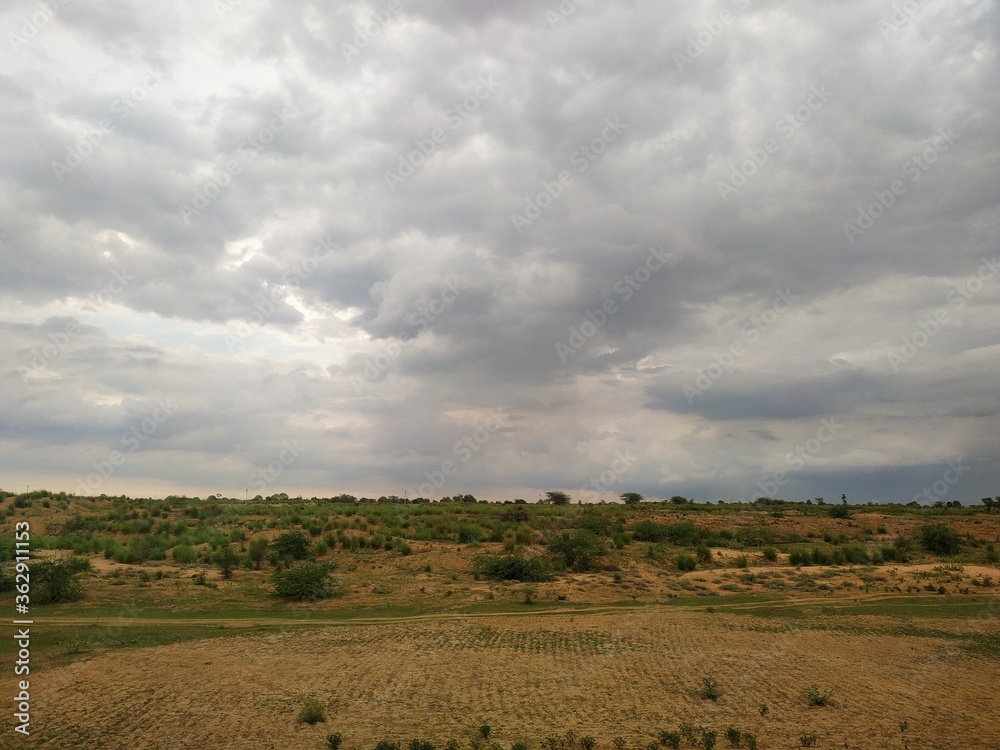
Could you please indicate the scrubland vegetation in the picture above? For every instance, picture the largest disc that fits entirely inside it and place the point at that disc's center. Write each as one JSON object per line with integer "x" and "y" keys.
{"x": 285, "y": 567}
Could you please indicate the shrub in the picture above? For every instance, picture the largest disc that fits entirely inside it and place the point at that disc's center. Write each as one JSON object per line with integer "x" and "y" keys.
{"x": 421, "y": 745}
{"x": 704, "y": 553}
{"x": 808, "y": 740}
{"x": 734, "y": 736}
{"x": 226, "y": 559}
{"x": 685, "y": 562}
{"x": 510, "y": 568}
{"x": 670, "y": 739}
{"x": 530, "y": 594}
{"x": 740, "y": 561}
{"x": 333, "y": 741}
{"x": 940, "y": 539}
{"x": 751, "y": 741}
{"x": 312, "y": 713}
{"x": 579, "y": 551}
{"x": 256, "y": 552}
{"x": 708, "y": 739}
{"x": 304, "y": 582}
{"x": 292, "y": 544}
{"x": 709, "y": 689}
{"x": 839, "y": 511}
{"x": 386, "y": 745}
{"x": 587, "y": 743}
{"x": 469, "y": 534}
{"x": 55, "y": 582}
{"x": 817, "y": 698}
{"x": 770, "y": 554}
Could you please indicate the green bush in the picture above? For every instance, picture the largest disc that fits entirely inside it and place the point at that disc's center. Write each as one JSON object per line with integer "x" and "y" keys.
{"x": 817, "y": 698}
{"x": 579, "y": 551}
{"x": 770, "y": 554}
{"x": 670, "y": 740}
{"x": 940, "y": 539}
{"x": 510, "y": 568}
{"x": 685, "y": 562}
{"x": 293, "y": 545}
{"x": 469, "y": 534}
{"x": 305, "y": 582}
{"x": 333, "y": 741}
{"x": 55, "y": 582}
{"x": 704, "y": 553}
{"x": 312, "y": 713}
{"x": 709, "y": 688}
{"x": 740, "y": 561}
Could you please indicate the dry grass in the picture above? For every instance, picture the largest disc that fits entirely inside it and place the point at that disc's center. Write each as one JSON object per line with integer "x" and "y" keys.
{"x": 630, "y": 674}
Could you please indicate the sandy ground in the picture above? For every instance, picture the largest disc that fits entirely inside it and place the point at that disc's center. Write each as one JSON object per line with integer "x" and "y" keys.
{"x": 628, "y": 674}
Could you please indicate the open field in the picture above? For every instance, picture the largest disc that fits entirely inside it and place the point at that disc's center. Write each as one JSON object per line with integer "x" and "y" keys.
{"x": 418, "y": 643}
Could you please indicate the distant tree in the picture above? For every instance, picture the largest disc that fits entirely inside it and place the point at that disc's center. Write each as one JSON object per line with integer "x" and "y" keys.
{"x": 579, "y": 551}
{"x": 631, "y": 498}
{"x": 940, "y": 538}
{"x": 257, "y": 552}
{"x": 678, "y": 500}
{"x": 556, "y": 497}
{"x": 305, "y": 582}
{"x": 839, "y": 511}
{"x": 227, "y": 559}
{"x": 988, "y": 502}
{"x": 54, "y": 582}
{"x": 292, "y": 544}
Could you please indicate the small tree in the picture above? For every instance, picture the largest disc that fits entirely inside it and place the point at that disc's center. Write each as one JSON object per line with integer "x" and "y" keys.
{"x": 941, "y": 539}
{"x": 227, "y": 559}
{"x": 305, "y": 582}
{"x": 55, "y": 582}
{"x": 579, "y": 551}
{"x": 257, "y": 551}
{"x": 293, "y": 544}
{"x": 631, "y": 498}
{"x": 556, "y": 497}
{"x": 709, "y": 688}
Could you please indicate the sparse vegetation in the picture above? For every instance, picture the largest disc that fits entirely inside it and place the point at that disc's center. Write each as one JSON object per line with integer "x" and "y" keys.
{"x": 312, "y": 713}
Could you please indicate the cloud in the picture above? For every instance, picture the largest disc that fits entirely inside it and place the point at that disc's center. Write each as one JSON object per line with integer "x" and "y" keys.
{"x": 233, "y": 164}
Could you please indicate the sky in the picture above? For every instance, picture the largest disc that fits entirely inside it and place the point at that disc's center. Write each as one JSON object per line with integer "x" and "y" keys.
{"x": 724, "y": 250}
